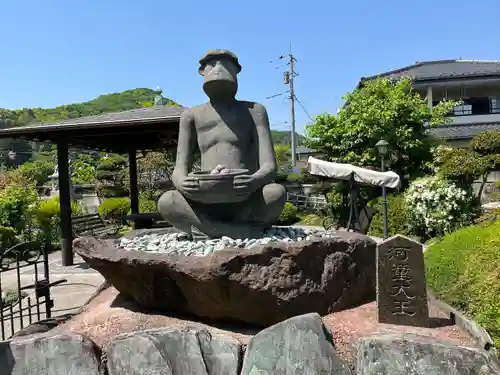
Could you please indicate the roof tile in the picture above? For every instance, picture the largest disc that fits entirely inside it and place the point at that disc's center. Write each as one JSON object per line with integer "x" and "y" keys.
{"x": 454, "y": 132}
{"x": 137, "y": 116}
{"x": 442, "y": 69}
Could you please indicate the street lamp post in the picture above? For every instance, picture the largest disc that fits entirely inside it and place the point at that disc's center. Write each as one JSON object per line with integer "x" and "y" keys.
{"x": 383, "y": 148}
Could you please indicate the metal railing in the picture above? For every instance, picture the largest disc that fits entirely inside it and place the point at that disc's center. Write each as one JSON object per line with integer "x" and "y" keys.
{"x": 305, "y": 202}
{"x": 16, "y": 264}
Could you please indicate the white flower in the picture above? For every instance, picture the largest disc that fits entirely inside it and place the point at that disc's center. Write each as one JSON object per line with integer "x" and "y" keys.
{"x": 434, "y": 203}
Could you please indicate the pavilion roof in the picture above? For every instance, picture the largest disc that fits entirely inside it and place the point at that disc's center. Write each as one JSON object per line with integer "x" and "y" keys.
{"x": 146, "y": 128}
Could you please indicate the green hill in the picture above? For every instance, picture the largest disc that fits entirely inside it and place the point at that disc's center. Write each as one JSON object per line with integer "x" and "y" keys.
{"x": 116, "y": 102}
{"x": 285, "y": 137}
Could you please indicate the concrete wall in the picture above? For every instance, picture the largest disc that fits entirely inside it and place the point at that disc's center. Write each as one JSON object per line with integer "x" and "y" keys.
{"x": 490, "y": 189}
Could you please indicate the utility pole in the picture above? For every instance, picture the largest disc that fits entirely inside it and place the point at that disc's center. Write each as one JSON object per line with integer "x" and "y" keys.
{"x": 288, "y": 80}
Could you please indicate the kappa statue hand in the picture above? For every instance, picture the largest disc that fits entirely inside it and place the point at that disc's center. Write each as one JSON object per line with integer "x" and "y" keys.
{"x": 244, "y": 183}
{"x": 190, "y": 185}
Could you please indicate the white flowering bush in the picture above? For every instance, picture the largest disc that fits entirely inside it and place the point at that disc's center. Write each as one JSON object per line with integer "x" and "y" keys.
{"x": 436, "y": 206}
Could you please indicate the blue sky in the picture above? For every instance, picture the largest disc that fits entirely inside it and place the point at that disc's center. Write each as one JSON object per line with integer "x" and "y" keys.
{"x": 58, "y": 52}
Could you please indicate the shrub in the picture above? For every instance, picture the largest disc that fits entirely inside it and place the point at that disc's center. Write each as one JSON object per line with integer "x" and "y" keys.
{"x": 289, "y": 214}
{"x": 11, "y": 297}
{"x": 17, "y": 205}
{"x": 37, "y": 171}
{"x": 487, "y": 143}
{"x": 114, "y": 208}
{"x": 397, "y": 217}
{"x": 148, "y": 205}
{"x": 7, "y": 237}
{"x": 436, "y": 206}
{"x": 460, "y": 165}
{"x": 50, "y": 208}
{"x": 462, "y": 268}
{"x": 47, "y": 217}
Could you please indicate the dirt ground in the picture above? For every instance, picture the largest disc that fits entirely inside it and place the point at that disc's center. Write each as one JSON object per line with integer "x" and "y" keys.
{"x": 109, "y": 315}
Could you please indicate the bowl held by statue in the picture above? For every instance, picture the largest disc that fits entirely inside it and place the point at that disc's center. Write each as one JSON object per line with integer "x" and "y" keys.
{"x": 219, "y": 188}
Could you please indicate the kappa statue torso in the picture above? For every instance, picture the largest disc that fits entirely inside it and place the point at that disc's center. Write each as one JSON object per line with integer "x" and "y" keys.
{"x": 230, "y": 133}
{"x": 226, "y": 135}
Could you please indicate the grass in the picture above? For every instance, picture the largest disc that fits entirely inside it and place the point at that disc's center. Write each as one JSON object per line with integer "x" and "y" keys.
{"x": 310, "y": 219}
{"x": 124, "y": 230}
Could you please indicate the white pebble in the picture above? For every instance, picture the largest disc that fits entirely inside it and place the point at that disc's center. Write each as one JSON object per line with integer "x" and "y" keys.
{"x": 178, "y": 243}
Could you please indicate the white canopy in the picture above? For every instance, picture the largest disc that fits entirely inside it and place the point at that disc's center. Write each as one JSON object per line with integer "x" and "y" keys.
{"x": 340, "y": 171}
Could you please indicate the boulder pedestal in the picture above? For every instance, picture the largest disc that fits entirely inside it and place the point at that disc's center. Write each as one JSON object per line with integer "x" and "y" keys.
{"x": 263, "y": 285}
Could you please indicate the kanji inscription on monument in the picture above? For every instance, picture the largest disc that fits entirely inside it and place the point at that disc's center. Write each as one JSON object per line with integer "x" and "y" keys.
{"x": 401, "y": 286}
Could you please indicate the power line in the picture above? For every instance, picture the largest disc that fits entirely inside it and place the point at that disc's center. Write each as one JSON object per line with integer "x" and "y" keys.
{"x": 276, "y": 95}
{"x": 304, "y": 108}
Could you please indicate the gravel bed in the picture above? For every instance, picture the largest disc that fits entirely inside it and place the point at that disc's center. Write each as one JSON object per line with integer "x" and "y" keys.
{"x": 178, "y": 243}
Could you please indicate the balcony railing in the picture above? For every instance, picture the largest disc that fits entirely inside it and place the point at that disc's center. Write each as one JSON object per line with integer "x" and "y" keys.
{"x": 460, "y": 111}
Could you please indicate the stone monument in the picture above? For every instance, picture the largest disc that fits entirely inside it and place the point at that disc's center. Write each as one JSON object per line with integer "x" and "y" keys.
{"x": 401, "y": 286}
{"x": 234, "y": 194}
{"x": 221, "y": 260}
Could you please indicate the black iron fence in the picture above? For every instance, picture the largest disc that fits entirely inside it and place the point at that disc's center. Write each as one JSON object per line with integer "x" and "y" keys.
{"x": 24, "y": 287}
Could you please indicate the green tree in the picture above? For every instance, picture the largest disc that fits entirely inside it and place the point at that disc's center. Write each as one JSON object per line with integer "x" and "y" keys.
{"x": 466, "y": 165}
{"x": 37, "y": 171}
{"x": 282, "y": 152}
{"x": 84, "y": 172}
{"x": 111, "y": 175}
{"x": 380, "y": 109}
{"x": 153, "y": 173}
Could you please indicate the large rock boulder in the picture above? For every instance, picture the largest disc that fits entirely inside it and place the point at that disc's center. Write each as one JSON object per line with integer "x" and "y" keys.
{"x": 55, "y": 355}
{"x": 399, "y": 354}
{"x": 173, "y": 351}
{"x": 262, "y": 285}
{"x": 299, "y": 345}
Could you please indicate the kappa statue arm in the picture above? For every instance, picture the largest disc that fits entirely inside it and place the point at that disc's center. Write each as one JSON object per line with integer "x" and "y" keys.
{"x": 184, "y": 158}
{"x": 267, "y": 158}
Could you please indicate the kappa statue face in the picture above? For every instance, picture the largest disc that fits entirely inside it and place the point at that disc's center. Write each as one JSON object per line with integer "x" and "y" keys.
{"x": 220, "y": 77}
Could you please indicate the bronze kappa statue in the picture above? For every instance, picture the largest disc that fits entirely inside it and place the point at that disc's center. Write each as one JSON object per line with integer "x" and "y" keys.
{"x": 234, "y": 194}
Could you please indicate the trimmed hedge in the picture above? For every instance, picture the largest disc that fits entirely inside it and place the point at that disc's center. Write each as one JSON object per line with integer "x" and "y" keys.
{"x": 114, "y": 208}
{"x": 289, "y": 215}
{"x": 463, "y": 269}
{"x": 47, "y": 218}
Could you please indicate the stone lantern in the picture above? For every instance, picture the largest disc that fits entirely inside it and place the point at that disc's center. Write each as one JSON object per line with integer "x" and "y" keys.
{"x": 54, "y": 182}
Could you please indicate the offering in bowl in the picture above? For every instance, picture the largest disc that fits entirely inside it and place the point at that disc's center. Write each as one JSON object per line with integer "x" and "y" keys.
{"x": 217, "y": 185}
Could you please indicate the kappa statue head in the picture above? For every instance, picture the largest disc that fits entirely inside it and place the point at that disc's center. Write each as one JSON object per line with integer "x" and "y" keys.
{"x": 220, "y": 69}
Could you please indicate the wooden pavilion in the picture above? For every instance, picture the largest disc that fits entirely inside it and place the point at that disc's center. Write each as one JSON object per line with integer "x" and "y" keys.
{"x": 127, "y": 132}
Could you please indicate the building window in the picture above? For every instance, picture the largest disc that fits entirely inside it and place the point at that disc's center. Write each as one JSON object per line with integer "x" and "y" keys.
{"x": 475, "y": 106}
{"x": 495, "y": 104}
{"x": 480, "y": 106}
{"x": 462, "y": 110}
